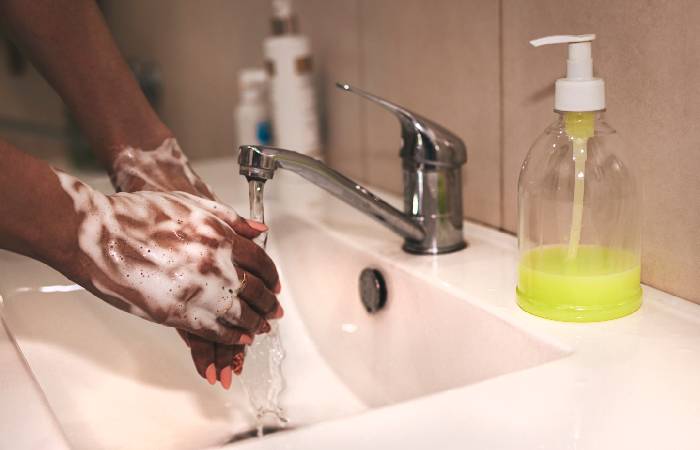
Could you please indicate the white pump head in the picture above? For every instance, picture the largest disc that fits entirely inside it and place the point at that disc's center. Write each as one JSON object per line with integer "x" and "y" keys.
{"x": 579, "y": 91}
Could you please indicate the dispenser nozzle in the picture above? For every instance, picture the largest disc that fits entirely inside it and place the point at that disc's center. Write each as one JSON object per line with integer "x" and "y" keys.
{"x": 579, "y": 91}
{"x": 562, "y": 39}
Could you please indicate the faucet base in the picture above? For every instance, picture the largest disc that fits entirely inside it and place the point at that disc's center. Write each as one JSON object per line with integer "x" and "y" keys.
{"x": 416, "y": 248}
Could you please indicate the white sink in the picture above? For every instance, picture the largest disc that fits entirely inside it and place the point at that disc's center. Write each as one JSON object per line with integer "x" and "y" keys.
{"x": 425, "y": 340}
{"x": 116, "y": 381}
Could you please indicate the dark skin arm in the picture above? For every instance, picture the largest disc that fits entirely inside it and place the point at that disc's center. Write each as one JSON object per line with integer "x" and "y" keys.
{"x": 30, "y": 195}
{"x": 70, "y": 44}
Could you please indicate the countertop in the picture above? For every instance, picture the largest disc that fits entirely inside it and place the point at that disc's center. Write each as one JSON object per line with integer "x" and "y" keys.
{"x": 631, "y": 383}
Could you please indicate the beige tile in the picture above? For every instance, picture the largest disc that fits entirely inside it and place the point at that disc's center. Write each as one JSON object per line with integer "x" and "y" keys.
{"x": 648, "y": 54}
{"x": 27, "y": 99}
{"x": 199, "y": 50}
{"x": 334, "y": 30}
{"x": 439, "y": 58}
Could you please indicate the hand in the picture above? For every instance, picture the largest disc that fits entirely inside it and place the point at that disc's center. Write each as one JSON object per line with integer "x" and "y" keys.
{"x": 175, "y": 259}
{"x": 167, "y": 169}
{"x": 214, "y": 361}
{"x": 164, "y": 169}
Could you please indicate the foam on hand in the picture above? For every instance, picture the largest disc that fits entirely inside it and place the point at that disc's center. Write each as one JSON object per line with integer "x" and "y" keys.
{"x": 161, "y": 169}
{"x": 165, "y": 256}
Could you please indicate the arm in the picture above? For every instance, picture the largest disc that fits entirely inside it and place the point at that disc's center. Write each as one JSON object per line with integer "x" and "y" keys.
{"x": 70, "y": 44}
{"x": 172, "y": 258}
{"x": 169, "y": 257}
{"x": 30, "y": 202}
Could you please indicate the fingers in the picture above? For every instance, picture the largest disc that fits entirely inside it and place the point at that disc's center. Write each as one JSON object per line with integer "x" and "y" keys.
{"x": 224, "y": 359}
{"x": 243, "y": 227}
{"x": 216, "y": 208}
{"x": 203, "y": 355}
{"x": 246, "y": 318}
{"x": 229, "y": 360}
{"x": 237, "y": 364}
{"x": 216, "y": 361}
{"x": 261, "y": 299}
{"x": 223, "y": 333}
{"x": 253, "y": 259}
{"x": 248, "y": 228}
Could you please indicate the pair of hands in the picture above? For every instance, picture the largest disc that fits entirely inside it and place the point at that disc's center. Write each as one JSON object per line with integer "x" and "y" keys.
{"x": 163, "y": 248}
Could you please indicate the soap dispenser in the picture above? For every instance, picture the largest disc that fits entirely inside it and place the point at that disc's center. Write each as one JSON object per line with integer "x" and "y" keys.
{"x": 578, "y": 206}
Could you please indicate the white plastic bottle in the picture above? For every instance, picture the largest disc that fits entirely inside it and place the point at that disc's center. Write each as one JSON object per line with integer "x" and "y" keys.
{"x": 251, "y": 116}
{"x": 292, "y": 98}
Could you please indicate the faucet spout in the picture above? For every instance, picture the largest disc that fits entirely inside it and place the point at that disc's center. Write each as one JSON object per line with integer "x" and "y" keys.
{"x": 260, "y": 162}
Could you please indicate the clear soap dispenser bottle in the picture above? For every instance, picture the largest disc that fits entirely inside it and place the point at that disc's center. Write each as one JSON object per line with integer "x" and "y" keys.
{"x": 578, "y": 206}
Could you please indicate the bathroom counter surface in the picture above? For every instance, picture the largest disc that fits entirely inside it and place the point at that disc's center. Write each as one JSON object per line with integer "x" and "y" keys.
{"x": 630, "y": 383}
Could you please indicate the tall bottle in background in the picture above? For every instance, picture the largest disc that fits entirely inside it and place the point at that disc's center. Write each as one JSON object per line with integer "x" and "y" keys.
{"x": 252, "y": 115}
{"x": 292, "y": 98}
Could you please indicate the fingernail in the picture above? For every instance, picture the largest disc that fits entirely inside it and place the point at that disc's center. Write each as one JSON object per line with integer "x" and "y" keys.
{"x": 278, "y": 287}
{"x": 238, "y": 363}
{"x": 258, "y": 226}
{"x": 210, "y": 373}
{"x": 279, "y": 312}
{"x": 245, "y": 339}
{"x": 226, "y": 377}
{"x": 264, "y": 327}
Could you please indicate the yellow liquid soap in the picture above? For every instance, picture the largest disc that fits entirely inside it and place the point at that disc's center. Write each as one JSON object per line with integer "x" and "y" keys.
{"x": 579, "y": 127}
{"x": 598, "y": 283}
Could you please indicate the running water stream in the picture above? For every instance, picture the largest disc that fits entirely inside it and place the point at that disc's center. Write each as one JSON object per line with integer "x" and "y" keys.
{"x": 262, "y": 372}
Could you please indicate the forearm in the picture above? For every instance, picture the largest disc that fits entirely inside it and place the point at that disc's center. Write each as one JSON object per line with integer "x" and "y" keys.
{"x": 37, "y": 217}
{"x": 71, "y": 45}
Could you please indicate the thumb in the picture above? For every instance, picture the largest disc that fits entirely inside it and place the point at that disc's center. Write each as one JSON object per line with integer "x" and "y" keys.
{"x": 248, "y": 228}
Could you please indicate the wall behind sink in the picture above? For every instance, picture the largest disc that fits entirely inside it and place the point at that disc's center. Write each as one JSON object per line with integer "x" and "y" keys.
{"x": 466, "y": 64}
{"x": 27, "y": 103}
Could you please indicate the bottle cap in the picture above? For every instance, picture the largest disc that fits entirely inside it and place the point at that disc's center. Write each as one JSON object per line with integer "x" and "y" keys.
{"x": 580, "y": 91}
{"x": 284, "y": 21}
{"x": 252, "y": 77}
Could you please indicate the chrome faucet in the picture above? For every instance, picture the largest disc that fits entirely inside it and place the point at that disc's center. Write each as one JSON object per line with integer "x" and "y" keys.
{"x": 432, "y": 159}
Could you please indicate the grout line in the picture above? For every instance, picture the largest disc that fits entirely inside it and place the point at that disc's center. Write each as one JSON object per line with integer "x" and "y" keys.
{"x": 501, "y": 125}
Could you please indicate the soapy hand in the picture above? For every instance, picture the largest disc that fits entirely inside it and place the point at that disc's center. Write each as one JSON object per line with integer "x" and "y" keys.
{"x": 166, "y": 169}
{"x": 175, "y": 259}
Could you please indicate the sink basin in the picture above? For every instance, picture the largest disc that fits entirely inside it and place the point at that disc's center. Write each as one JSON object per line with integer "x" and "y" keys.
{"x": 116, "y": 381}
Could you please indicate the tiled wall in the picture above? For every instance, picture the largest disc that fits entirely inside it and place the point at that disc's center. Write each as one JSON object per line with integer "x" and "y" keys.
{"x": 28, "y": 102}
{"x": 467, "y": 65}
{"x": 199, "y": 47}
{"x": 649, "y": 54}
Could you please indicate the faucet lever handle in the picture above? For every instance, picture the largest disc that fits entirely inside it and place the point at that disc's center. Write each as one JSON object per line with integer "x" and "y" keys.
{"x": 424, "y": 141}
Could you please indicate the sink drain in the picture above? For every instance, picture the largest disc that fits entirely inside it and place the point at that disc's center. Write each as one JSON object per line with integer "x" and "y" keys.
{"x": 372, "y": 290}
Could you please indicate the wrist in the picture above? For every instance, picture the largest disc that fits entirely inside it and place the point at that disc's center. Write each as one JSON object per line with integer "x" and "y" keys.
{"x": 163, "y": 168}
{"x": 136, "y": 136}
{"x": 59, "y": 243}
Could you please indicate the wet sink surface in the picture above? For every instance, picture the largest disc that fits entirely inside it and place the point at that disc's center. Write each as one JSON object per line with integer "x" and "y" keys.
{"x": 116, "y": 381}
